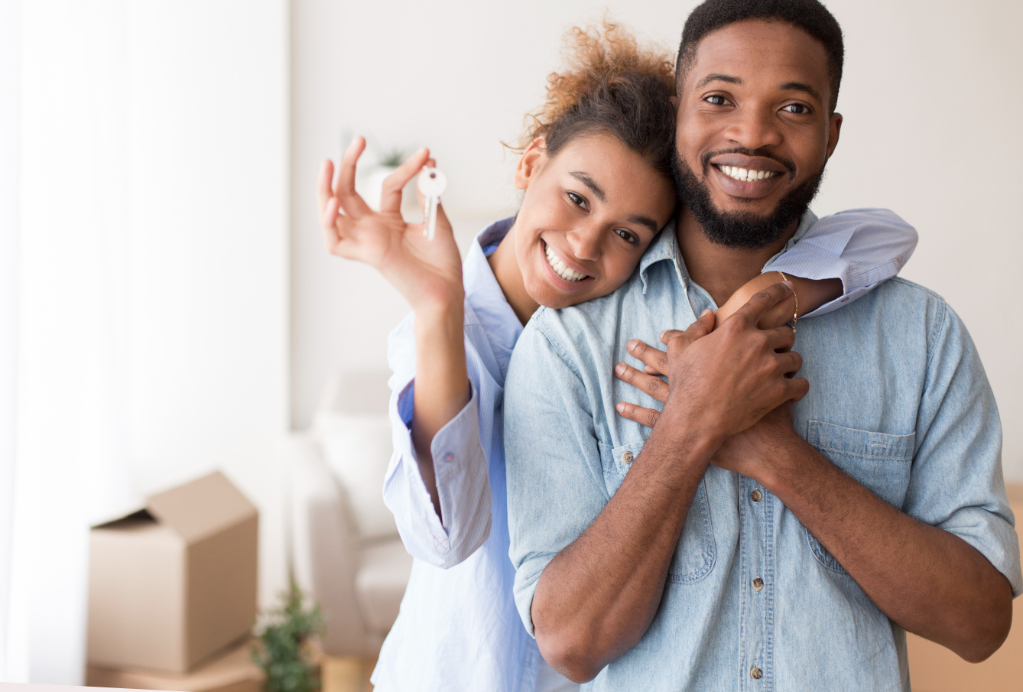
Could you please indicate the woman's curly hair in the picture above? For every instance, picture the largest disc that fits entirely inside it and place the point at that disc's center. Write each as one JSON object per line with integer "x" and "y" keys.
{"x": 609, "y": 84}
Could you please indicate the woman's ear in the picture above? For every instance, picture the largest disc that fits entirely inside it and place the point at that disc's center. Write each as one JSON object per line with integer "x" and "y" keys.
{"x": 530, "y": 163}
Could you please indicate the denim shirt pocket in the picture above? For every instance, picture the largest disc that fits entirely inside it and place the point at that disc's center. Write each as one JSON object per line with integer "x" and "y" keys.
{"x": 696, "y": 551}
{"x": 878, "y": 461}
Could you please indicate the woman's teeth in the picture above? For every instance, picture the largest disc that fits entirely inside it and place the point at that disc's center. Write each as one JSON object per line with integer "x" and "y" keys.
{"x": 744, "y": 176}
{"x": 559, "y": 267}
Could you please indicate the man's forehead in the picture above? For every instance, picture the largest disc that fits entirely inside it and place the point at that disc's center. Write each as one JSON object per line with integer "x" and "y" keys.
{"x": 757, "y": 50}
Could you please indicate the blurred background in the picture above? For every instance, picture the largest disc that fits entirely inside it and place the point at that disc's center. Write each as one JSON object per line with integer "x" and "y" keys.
{"x": 166, "y": 305}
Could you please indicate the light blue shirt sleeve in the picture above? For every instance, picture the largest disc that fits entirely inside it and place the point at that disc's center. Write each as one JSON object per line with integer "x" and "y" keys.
{"x": 556, "y": 487}
{"x": 956, "y": 482}
{"x": 460, "y": 468}
{"x": 862, "y": 247}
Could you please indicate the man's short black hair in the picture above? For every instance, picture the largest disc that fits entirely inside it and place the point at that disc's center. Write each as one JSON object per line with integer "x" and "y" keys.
{"x": 809, "y": 15}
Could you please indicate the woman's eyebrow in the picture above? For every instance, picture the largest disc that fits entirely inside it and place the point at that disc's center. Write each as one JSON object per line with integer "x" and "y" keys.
{"x": 645, "y": 221}
{"x": 588, "y": 182}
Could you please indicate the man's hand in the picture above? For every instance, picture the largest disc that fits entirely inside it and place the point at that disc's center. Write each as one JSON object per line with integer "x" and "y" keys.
{"x": 728, "y": 379}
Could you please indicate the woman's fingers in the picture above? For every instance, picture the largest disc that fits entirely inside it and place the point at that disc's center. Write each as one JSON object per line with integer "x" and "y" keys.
{"x": 653, "y": 358}
{"x": 390, "y": 195}
{"x": 651, "y": 384}
{"x": 643, "y": 416}
{"x": 328, "y": 222}
{"x": 324, "y": 192}
{"x": 349, "y": 200}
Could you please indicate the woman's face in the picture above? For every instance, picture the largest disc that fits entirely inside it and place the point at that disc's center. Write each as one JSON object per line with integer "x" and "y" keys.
{"x": 587, "y": 216}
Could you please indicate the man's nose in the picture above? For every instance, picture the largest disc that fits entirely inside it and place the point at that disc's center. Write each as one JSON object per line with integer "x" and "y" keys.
{"x": 585, "y": 241}
{"x": 753, "y": 127}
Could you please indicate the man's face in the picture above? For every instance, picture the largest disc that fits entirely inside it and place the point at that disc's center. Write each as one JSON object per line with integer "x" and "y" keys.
{"x": 753, "y": 131}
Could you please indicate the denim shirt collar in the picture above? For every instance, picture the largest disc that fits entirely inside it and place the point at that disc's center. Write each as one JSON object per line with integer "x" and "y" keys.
{"x": 665, "y": 247}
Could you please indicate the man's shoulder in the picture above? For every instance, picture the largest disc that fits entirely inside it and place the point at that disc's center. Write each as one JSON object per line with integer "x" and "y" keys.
{"x": 896, "y": 301}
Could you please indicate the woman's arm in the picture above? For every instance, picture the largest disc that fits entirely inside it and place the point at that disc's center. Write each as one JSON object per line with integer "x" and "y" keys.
{"x": 840, "y": 258}
{"x": 427, "y": 272}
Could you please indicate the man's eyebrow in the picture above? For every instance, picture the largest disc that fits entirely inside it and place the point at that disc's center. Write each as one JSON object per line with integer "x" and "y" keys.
{"x": 588, "y": 182}
{"x": 800, "y": 86}
{"x": 645, "y": 221}
{"x": 717, "y": 77}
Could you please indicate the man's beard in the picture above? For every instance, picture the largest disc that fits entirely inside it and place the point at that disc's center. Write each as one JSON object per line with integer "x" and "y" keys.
{"x": 742, "y": 229}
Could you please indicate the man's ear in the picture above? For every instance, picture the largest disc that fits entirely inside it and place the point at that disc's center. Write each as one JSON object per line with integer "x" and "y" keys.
{"x": 530, "y": 163}
{"x": 834, "y": 128}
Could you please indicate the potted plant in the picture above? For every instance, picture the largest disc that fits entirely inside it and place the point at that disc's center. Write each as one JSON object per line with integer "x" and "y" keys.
{"x": 285, "y": 648}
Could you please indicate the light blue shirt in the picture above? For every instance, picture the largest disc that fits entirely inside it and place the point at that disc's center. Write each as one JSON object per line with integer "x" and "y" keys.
{"x": 898, "y": 399}
{"x": 458, "y": 628}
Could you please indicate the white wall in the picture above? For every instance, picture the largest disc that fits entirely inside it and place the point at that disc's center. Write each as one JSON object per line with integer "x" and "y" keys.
{"x": 931, "y": 96}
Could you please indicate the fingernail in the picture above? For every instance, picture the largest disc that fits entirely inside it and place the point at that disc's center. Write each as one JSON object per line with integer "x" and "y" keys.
{"x": 661, "y": 335}
{"x": 789, "y": 284}
{"x": 620, "y": 368}
{"x": 620, "y": 407}
{"x": 632, "y": 345}
{"x": 704, "y": 313}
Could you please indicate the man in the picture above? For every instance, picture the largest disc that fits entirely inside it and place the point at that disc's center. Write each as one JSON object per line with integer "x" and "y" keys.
{"x": 726, "y": 548}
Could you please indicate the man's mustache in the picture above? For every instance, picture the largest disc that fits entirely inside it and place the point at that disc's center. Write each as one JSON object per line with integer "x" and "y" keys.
{"x": 789, "y": 164}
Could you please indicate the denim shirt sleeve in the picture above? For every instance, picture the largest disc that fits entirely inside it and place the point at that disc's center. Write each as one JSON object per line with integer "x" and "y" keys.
{"x": 956, "y": 483}
{"x": 552, "y": 459}
{"x": 862, "y": 247}
{"x": 460, "y": 468}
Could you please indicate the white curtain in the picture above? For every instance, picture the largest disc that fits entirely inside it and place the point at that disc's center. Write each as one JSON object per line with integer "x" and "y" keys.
{"x": 143, "y": 285}
{"x": 9, "y": 111}
{"x": 63, "y": 347}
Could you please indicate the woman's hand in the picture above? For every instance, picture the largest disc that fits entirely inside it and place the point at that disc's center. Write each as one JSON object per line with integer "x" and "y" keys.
{"x": 428, "y": 273}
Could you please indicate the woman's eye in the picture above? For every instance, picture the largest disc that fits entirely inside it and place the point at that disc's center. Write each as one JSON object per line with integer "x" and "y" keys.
{"x": 716, "y": 100}
{"x": 797, "y": 108}
{"x": 577, "y": 199}
{"x": 629, "y": 237}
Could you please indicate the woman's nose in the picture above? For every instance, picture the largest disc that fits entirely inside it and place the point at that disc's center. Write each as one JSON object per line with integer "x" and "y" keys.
{"x": 585, "y": 242}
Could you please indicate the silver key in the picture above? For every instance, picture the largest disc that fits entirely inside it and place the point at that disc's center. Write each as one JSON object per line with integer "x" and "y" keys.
{"x": 431, "y": 185}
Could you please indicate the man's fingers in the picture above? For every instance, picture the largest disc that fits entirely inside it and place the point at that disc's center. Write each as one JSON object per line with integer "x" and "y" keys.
{"x": 703, "y": 326}
{"x": 798, "y": 388}
{"x": 780, "y": 339}
{"x": 790, "y": 362}
{"x": 643, "y": 416}
{"x": 390, "y": 194}
{"x": 653, "y": 358}
{"x": 651, "y": 384}
{"x": 761, "y": 302}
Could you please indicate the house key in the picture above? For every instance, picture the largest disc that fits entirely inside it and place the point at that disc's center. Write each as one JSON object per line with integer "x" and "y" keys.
{"x": 431, "y": 185}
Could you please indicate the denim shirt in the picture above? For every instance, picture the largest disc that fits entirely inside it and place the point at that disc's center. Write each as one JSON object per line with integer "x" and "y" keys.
{"x": 898, "y": 400}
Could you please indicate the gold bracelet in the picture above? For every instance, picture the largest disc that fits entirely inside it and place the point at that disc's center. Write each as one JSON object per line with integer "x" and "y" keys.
{"x": 795, "y": 312}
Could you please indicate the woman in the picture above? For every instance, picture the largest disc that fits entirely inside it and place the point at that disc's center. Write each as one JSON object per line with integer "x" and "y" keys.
{"x": 596, "y": 187}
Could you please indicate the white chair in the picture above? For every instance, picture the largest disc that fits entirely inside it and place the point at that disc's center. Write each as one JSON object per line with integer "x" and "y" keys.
{"x": 345, "y": 549}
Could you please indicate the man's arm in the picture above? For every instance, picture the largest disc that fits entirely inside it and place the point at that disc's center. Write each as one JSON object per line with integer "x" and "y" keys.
{"x": 596, "y": 598}
{"x": 944, "y": 567}
{"x": 928, "y": 580}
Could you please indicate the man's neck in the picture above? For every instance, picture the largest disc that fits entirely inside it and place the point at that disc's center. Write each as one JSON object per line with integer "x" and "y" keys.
{"x": 719, "y": 269}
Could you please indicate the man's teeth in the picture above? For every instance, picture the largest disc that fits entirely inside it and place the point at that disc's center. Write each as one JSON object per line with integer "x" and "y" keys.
{"x": 744, "y": 176}
{"x": 559, "y": 267}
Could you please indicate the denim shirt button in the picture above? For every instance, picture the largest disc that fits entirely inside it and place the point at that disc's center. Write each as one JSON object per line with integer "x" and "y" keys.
{"x": 756, "y": 495}
{"x": 756, "y": 673}
{"x": 758, "y": 584}
{"x": 627, "y": 457}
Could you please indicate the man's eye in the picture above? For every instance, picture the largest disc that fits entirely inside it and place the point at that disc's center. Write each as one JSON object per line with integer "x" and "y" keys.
{"x": 716, "y": 100}
{"x": 628, "y": 236}
{"x": 577, "y": 199}
{"x": 797, "y": 108}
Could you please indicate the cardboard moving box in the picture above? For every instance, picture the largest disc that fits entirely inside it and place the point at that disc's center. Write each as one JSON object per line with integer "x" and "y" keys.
{"x": 174, "y": 582}
{"x": 232, "y": 672}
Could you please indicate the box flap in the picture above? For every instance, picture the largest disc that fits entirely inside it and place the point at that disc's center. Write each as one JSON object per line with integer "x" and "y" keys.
{"x": 200, "y": 508}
